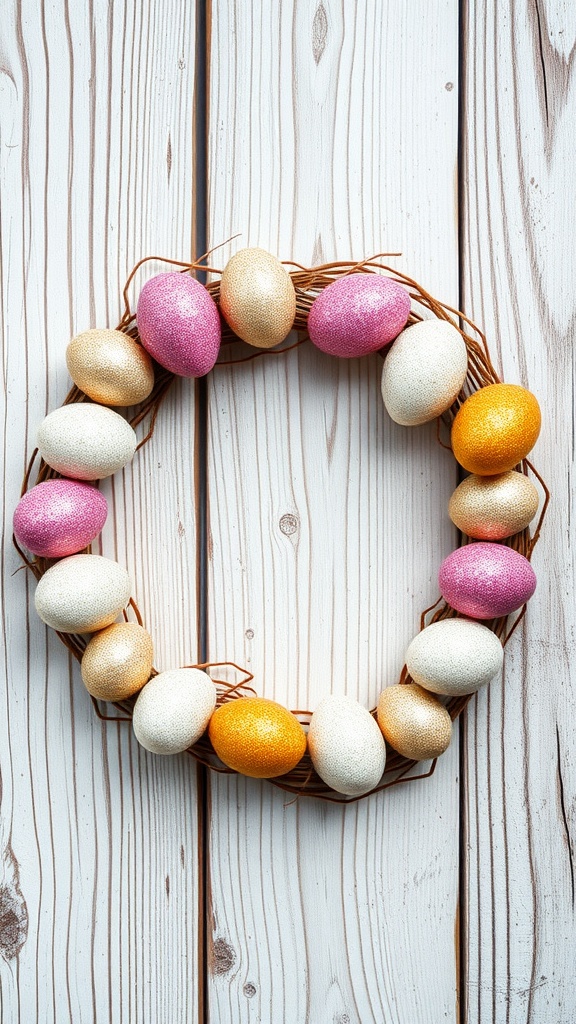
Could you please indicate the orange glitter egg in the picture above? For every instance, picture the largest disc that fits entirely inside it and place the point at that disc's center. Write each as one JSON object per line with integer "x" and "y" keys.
{"x": 257, "y": 737}
{"x": 495, "y": 429}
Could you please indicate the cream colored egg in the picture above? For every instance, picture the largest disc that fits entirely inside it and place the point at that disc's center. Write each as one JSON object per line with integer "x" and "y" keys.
{"x": 454, "y": 656}
{"x": 494, "y": 507}
{"x": 82, "y": 593}
{"x": 173, "y": 710}
{"x": 423, "y": 372}
{"x": 118, "y": 661}
{"x": 257, "y": 298}
{"x": 110, "y": 367}
{"x": 414, "y": 722}
{"x": 86, "y": 441}
{"x": 346, "y": 746}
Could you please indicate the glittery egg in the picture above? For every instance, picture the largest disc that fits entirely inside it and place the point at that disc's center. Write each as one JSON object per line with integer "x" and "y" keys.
{"x": 495, "y": 429}
{"x": 454, "y": 656}
{"x": 493, "y": 507}
{"x": 414, "y": 722}
{"x": 110, "y": 367}
{"x": 257, "y": 737}
{"x": 59, "y": 517}
{"x": 424, "y": 371}
{"x": 86, "y": 441}
{"x": 257, "y": 298}
{"x": 82, "y": 593}
{"x": 358, "y": 314}
{"x": 486, "y": 580}
{"x": 172, "y": 711}
{"x": 117, "y": 661}
{"x": 179, "y": 324}
{"x": 346, "y": 746}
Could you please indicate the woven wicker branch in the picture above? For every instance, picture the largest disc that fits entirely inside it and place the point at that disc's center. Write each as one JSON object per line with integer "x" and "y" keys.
{"x": 308, "y": 282}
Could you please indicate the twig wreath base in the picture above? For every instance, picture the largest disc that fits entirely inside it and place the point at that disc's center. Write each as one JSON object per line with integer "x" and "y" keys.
{"x": 308, "y": 283}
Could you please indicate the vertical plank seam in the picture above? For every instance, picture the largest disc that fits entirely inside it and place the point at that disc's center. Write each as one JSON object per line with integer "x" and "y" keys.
{"x": 463, "y": 909}
{"x": 199, "y": 245}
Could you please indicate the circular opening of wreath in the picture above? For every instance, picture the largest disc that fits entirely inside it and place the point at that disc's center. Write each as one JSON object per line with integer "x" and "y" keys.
{"x": 436, "y": 366}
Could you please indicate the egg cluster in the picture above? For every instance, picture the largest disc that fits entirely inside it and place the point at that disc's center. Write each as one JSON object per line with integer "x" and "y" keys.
{"x": 425, "y": 369}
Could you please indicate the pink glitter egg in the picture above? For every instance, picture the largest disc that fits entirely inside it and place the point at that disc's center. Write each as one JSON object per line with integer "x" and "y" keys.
{"x": 486, "y": 581}
{"x": 358, "y": 314}
{"x": 179, "y": 324}
{"x": 59, "y": 517}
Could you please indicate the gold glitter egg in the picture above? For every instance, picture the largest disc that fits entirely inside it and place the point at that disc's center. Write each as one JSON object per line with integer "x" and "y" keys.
{"x": 110, "y": 367}
{"x": 257, "y": 737}
{"x": 257, "y": 298}
{"x": 495, "y": 428}
{"x": 414, "y": 722}
{"x": 493, "y": 507}
{"x": 117, "y": 661}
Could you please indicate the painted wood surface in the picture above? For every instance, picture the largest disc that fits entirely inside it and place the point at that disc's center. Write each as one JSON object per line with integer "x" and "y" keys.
{"x": 328, "y": 522}
{"x": 99, "y": 851}
{"x": 332, "y": 132}
{"x": 519, "y": 279}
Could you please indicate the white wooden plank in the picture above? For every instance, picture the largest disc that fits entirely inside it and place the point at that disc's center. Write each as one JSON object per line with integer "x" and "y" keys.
{"x": 99, "y": 841}
{"x": 519, "y": 275}
{"x": 333, "y": 134}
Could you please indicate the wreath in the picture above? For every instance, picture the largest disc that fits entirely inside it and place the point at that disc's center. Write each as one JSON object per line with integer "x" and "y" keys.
{"x": 436, "y": 366}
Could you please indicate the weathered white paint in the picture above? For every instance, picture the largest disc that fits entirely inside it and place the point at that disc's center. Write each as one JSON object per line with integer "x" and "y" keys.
{"x": 95, "y": 163}
{"x": 332, "y": 133}
{"x": 519, "y": 274}
{"x": 328, "y": 522}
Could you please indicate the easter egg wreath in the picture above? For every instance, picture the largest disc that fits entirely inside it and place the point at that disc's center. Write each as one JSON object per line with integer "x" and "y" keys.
{"x": 436, "y": 366}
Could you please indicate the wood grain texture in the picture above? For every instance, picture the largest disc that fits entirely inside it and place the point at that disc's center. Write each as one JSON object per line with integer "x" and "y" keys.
{"x": 98, "y": 888}
{"x": 328, "y": 522}
{"x": 519, "y": 273}
{"x": 332, "y": 133}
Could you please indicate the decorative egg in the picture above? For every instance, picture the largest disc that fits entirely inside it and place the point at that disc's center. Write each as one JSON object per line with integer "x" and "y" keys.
{"x": 257, "y": 737}
{"x": 495, "y": 429}
{"x": 414, "y": 722}
{"x": 493, "y": 507}
{"x": 358, "y": 314}
{"x": 179, "y": 324}
{"x": 110, "y": 367}
{"x": 257, "y": 298}
{"x": 486, "y": 581}
{"x": 173, "y": 710}
{"x": 59, "y": 517}
{"x": 454, "y": 657}
{"x": 82, "y": 593}
{"x": 424, "y": 372}
{"x": 346, "y": 746}
{"x": 86, "y": 441}
{"x": 117, "y": 661}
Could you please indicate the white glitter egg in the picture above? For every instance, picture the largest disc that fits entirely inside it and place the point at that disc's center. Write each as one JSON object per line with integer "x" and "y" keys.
{"x": 346, "y": 746}
{"x": 423, "y": 372}
{"x": 82, "y": 593}
{"x": 86, "y": 441}
{"x": 173, "y": 710}
{"x": 454, "y": 657}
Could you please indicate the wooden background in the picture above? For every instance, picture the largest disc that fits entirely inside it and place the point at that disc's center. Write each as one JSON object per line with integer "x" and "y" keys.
{"x": 138, "y": 889}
